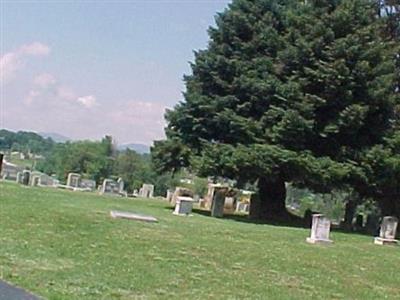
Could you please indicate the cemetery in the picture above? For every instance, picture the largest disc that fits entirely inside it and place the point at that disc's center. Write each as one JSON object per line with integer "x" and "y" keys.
{"x": 119, "y": 248}
{"x": 269, "y": 168}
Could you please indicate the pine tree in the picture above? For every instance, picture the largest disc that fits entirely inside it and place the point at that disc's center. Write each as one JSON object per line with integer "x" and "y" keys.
{"x": 287, "y": 91}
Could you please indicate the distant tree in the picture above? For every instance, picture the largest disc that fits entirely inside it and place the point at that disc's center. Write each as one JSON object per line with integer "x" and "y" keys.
{"x": 26, "y": 142}
{"x": 92, "y": 159}
{"x": 287, "y": 91}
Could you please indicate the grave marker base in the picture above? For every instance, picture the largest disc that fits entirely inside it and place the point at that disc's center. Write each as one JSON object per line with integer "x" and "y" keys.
{"x": 318, "y": 241}
{"x": 382, "y": 241}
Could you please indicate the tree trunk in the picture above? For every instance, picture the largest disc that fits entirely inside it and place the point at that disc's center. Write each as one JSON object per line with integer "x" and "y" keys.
{"x": 269, "y": 203}
{"x": 350, "y": 210}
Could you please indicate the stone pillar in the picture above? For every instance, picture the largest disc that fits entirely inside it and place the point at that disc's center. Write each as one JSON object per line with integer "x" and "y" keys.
{"x": 120, "y": 185}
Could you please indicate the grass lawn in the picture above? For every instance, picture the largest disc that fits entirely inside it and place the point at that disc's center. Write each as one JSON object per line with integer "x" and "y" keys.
{"x": 63, "y": 245}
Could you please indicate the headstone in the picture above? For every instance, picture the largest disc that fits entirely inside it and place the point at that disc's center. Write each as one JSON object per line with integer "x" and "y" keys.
{"x": 19, "y": 177}
{"x": 229, "y": 205}
{"x": 183, "y": 206}
{"x": 110, "y": 187}
{"x": 320, "y": 230}
{"x": 242, "y": 207}
{"x": 46, "y": 180}
{"x": 169, "y": 195}
{"x": 88, "y": 184}
{"x": 74, "y": 180}
{"x": 387, "y": 235}
{"x": 147, "y": 191}
{"x": 35, "y": 180}
{"x": 180, "y": 192}
{"x": 26, "y": 174}
{"x": 218, "y": 202}
{"x": 120, "y": 185}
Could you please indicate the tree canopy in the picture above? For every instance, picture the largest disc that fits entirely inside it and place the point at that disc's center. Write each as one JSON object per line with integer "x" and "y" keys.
{"x": 286, "y": 91}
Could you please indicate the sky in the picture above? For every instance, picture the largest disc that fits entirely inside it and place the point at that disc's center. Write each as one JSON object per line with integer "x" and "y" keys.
{"x": 85, "y": 69}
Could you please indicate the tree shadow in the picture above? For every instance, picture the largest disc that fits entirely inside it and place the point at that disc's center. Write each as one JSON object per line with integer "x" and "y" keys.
{"x": 297, "y": 223}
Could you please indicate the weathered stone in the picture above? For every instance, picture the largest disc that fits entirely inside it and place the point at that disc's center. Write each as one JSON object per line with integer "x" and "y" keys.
{"x": 217, "y": 206}
{"x": 169, "y": 195}
{"x": 74, "y": 180}
{"x": 180, "y": 192}
{"x": 387, "y": 235}
{"x": 320, "y": 230}
{"x": 120, "y": 185}
{"x": 184, "y": 206}
{"x": 19, "y": 177}
{"x": 88, "y": 184}
{"x": 147, "y": 191}
{"x": 242, "y": 207}
{"x": 26, "y": 174}
{"x": 132, "y": 216}
{"x": 35, "y": 180}
{"x": 110, "y": 187}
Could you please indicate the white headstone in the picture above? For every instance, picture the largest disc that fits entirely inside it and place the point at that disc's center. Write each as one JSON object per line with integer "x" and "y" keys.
{"x": 120, "y": 185}
{"x": 74, "y": 180}
{"x": 147, "y": 191}
{"x": 110, "y": 187}
{"x": 320, "y": 229}
{"x": 387, "y": 235}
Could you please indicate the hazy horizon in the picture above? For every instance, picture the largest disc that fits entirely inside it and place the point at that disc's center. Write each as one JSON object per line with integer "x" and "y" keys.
{"x": 89, "y": 69}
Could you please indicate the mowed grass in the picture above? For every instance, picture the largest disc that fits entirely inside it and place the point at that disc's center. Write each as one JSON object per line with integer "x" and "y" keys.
{"x": 63, "y": 245}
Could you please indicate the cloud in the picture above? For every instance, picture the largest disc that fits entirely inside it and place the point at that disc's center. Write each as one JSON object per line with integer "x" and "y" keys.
{"x": 34, "y": 49}
{"x": 13, "y": 61}
{"x": 44, "y": 80}
{"x": 47, "y": 90}
{"x": 87, "y": 101}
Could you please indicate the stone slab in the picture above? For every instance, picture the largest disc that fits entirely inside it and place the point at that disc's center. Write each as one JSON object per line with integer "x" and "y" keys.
{"x": 318, "y": 241}
{"x": 131, "y": 216}
{"x": 382, "y": 241}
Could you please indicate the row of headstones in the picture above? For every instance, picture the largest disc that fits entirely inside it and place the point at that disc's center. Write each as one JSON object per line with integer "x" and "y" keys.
{"x": 76, "y": 182}
{"x": 26, "y": 177}
{"x": 108, "y": 187}
{"x": 320, "y": 230}
{"x": 217, "y": 201}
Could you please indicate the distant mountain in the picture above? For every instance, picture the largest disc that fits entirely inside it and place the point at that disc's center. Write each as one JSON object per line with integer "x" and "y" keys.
{"x": 58, "y": 138}
{"x": 139, "y": 148}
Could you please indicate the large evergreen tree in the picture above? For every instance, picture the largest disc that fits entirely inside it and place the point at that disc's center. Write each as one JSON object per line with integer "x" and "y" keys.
{"x": 287, "y": 91}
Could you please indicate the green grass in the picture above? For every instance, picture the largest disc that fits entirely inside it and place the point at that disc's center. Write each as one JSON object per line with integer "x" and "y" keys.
{"x": 63, "y": 245}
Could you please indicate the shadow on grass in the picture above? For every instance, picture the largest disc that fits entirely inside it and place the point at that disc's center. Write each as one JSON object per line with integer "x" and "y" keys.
{"x": 294, "y": 222}
{"x": 298, "y": 222}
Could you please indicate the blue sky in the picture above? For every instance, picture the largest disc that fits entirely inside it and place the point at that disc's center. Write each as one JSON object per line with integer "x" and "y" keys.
{"x": 89, "y": 68}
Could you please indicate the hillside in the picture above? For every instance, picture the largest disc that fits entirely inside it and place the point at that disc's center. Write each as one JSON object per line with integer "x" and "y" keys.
{"x": 64, "y": 245}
